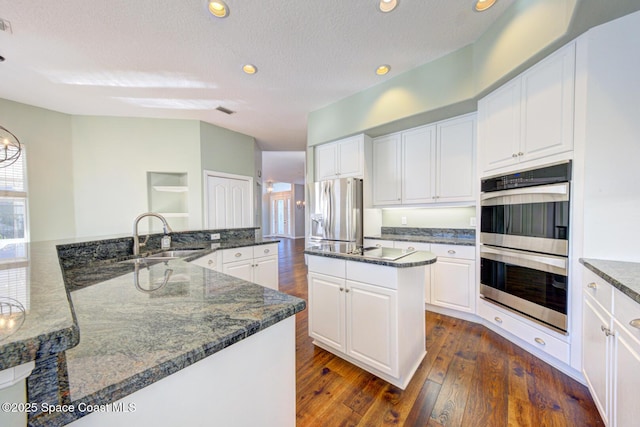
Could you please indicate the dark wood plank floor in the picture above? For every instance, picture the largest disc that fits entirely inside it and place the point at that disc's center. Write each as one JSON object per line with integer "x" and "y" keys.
{"x": 470, "y": 377}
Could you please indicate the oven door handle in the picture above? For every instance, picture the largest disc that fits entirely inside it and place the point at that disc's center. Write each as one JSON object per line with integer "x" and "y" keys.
{"x": 548, "y": 263}
{"x": 540, "y": 194}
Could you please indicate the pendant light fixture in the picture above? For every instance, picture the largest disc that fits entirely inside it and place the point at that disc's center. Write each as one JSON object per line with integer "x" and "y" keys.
{"x": 10, "y": 148}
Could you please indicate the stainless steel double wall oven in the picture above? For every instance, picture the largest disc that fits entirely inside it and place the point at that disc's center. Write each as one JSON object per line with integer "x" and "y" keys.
{"x": 524, "y": 233}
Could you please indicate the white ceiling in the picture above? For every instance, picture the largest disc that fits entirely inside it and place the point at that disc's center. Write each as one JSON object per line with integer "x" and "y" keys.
{"x": 172, "y": 59}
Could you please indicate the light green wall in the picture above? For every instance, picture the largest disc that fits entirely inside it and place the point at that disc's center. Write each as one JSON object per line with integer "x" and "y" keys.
{"x": 111, "y": 158}
{"x": 452, "y": 217}
{"x": 451, "y": 85}
{"x": 46, "y": 135}
{"x": 223, "y": 150}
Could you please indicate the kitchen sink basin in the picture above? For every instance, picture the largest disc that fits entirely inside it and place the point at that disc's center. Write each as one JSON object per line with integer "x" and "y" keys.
{"x": 163, "y": 256}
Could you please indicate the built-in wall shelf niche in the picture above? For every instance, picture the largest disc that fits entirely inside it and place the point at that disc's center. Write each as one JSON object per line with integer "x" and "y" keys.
{"x": 168, "y": 194}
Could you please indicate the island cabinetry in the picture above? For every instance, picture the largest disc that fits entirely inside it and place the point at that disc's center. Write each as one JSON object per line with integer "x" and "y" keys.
{"x": 428, "y": 164}
{"x": 611, "y": 350}
{"x": 340, "y": 159}
{"x": 531, "y": 116}
{"x": 360, "y": 312}
{"x": 257, "y": 264}
{"x": 453, "y": 277}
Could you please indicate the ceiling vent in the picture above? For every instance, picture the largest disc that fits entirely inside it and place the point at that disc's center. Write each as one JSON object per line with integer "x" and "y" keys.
{"x": 225, "y": 110}
{"x": 5, "y": 26}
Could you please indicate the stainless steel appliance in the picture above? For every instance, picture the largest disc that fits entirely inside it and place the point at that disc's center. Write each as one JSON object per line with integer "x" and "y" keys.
{"x": 335, "y": 208}
{"x": 524, "y": 231}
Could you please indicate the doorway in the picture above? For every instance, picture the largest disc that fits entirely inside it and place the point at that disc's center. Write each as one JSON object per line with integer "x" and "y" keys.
{"x": 281, "y": 214}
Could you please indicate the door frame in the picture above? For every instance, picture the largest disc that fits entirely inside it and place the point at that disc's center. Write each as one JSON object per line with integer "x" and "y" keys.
{"x": 205, "y": 187}
{"x": 290, "y": 220}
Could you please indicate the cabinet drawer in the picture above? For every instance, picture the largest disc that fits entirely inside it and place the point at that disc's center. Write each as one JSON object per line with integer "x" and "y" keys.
{"x": 532, "y": 335}
{"x": 418, "y": 246}
{"x": 627, "y": 311}
{"x": 598, "y": 289}
{"x": 454, "y": 251}
{"x": 265, "y": 250}
{"x": 237, "y": 254}
{"x": 210, "y": 261}
{"x": 325, "y": 265}
{"x": 379, "y": 275}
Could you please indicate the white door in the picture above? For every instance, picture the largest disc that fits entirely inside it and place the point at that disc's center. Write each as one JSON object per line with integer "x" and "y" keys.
{"x": 456, "y": 160}
{"x": 229, "y": 201}
{"x": 452, "y": 284}
{"x": 595, "y": 356}
{"x": 386, "y": 170}
{"x": 326, "y": 161}
{"x": 281, "y": 214}
{"x": 350, "y": 157}
{"x": 418, "y": 163}
{"x": 266, "y": 272}
{"x": 327, "y": 310}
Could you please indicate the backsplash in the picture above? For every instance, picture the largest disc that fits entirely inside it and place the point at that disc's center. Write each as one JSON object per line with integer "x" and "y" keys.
{"x": 451, "y": 217}
{"x": 447, "y": 233}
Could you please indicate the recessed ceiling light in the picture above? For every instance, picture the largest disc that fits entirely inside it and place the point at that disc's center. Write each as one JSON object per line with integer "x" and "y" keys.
{"x": 383, "y": 69}
{"x": 482, "y": 5}
{"x": 218, "y": 8}
{"x": 387, "y": 5}
{"x": 250, "y": 69}
{"x": 1, "y": 58}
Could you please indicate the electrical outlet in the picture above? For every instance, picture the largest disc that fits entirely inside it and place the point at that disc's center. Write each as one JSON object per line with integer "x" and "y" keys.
{"x": 403, "y": 220}
{"x": 215, "y": 236}
{"x": 472, "y": 221}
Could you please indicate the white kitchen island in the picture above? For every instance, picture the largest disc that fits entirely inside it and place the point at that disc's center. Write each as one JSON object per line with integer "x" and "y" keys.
{"x": 369, "y": 311}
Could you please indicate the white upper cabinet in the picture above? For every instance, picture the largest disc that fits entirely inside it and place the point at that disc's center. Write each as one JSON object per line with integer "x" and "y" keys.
{"x": 531, "y": 116}
{"x": 340, "y": 159}
{"x": 424, "y": 165}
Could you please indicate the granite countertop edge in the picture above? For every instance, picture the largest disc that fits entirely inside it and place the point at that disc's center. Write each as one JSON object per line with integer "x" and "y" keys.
{"x": 622, "y": 275}
{"x": 416, "y": 259}
{"x": 122, "y": 389}
{"x": 424, "y": 239}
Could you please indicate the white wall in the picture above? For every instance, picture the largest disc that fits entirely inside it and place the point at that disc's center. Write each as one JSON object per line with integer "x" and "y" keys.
{"x": 452, "y": 217}
{"x": 46, "y": 135}
{"x": 611, "y": 131}
{"x": 111, "y": 158}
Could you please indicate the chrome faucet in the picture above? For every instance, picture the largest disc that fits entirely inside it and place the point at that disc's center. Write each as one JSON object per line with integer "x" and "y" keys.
{"x": 136, "y": 240}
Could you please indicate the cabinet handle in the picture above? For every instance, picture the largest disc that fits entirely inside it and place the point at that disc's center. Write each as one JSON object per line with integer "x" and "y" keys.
{"x": 499, "y": 320}
{"x": 266, "y": 251}
{"x": 521, "y": 154}
{"x": 238, "y": 254}
{"x": 451, "y": 251}
{"x": 210, "y": 262}
{"x": 346, "y": 290}
{"x": 540, "y": 341}
{"x": 341, "y": 289}
{"x": 514, "y": 155}
{"x": 433, "y": 197}
{"x": 606, "y": 331}
{"x": 635, "y": 323}
{"x": 592, "y": 285}
{"x": 411, "y": 248}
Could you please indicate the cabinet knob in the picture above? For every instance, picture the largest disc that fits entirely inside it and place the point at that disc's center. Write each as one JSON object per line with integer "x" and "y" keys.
{"x": 411, "y": 248}
{"x": 346, "y": 290}
{"x": 592, "y": 285}
{"x": 514, "y": 155}
{"x": 266, "y": 251}
{"x": 521, "y": 154}
{"x": 210, "y": 262}
{"x": 341, "y": 289}
{"x": 635, "y": 323}
{"x": 451, "y": 251}
{"x": 238, "y": 254}
{"x": 540, "y": 341}
{"x": 497, "y": 319}
{"x": 606, "y": 331}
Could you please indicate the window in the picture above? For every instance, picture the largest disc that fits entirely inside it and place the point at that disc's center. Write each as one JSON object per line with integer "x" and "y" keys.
{"x": 13, "y": 211}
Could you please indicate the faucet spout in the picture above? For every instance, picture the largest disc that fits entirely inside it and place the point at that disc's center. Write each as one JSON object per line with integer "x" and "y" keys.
{"x": 136, "y": 237}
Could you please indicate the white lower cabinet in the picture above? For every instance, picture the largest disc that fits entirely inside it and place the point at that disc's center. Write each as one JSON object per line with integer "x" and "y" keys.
{"x": 453, "y": 277}
{"x": 257, "y": 264}
{"x": 611, "y": 351}
{"x": 358, "y": 312}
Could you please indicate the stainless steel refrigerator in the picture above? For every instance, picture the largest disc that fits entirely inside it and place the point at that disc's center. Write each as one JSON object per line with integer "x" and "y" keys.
{"x": 335, "y": 208}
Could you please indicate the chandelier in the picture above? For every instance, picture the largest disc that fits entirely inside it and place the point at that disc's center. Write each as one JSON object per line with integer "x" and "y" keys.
{"x": 10, "y": 148}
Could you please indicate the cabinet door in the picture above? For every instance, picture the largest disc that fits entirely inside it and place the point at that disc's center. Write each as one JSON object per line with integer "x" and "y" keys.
{"x": 240, "y": 269}
{"x": 453, "y": 284}
{"x": 499, "y": 127}
{"x": 351, "y": 157}
{"x": 625, "y": 385}
{"x": 386, "y": 170}
{"x": 326, "y": 161}
{"x": 372, "y": 326}
{"x": 455, "y": 177}
{"x": 595, "y": 354}
{"x": 266, "y": 272}
{"x": 418, "y": 165}
{"x": 327, "y": 310}
{"x": 547, "y": 105}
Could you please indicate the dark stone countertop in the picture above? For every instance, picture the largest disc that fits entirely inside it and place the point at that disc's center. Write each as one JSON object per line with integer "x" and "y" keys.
{"x": 416, "y": 259}
{"x": 625, "y": 276}
{"x": 130, "y": 337}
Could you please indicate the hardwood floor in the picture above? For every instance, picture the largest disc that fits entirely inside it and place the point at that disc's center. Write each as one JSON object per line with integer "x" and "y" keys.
{"x": 470, "y": 377}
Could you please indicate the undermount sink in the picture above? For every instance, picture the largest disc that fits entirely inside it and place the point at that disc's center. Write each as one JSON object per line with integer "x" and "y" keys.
{"x": 163, "y": 256}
